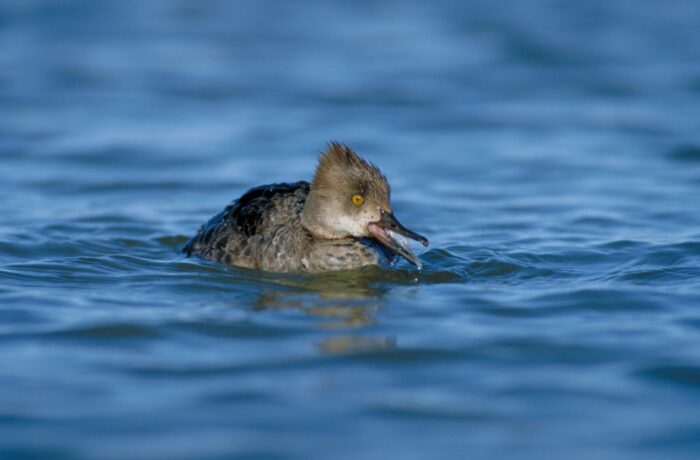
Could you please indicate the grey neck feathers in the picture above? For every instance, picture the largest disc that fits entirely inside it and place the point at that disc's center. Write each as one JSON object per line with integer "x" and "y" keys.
{"x": 314, "y": 217}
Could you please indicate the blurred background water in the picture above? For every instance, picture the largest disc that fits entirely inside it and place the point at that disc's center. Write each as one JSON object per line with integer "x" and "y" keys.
{"x": 550, "y": 150}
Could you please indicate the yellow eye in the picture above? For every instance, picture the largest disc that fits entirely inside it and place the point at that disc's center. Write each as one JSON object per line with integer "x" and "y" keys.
{"x": 358, "y": 200}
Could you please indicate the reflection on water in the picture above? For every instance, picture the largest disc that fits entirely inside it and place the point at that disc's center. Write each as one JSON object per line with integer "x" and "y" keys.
{"x": 334, "y": 314}
{"x": 355, "y": 344}
{"x": 348, "y": 307}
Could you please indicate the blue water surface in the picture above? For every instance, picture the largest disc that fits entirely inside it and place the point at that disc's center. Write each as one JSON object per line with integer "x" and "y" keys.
{"x": 550, "y": 150}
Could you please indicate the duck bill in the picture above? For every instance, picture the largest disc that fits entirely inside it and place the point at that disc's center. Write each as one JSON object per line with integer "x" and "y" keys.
{"x": 392, "y": 234}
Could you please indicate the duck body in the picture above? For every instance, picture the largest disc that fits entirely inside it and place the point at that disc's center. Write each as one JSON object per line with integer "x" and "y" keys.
{"x": 341, "y": 220}
{"x": 263, "y": 230}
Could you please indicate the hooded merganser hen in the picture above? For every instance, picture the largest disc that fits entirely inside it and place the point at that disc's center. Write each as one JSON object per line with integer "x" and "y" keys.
{"x": 342, "y": 220}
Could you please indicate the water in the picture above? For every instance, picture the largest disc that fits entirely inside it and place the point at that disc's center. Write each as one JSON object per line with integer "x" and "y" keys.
{"x": 549, "y": 150}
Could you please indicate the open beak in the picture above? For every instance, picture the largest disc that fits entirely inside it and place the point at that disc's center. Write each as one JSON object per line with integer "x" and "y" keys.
{"x": 389, "y": 232}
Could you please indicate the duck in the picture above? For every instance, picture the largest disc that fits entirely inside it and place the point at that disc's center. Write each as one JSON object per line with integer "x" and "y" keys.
{"x": 341, "y": 220}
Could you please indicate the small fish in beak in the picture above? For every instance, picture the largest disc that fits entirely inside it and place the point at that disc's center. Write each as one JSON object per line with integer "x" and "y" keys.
{"x": 390, "y": 233}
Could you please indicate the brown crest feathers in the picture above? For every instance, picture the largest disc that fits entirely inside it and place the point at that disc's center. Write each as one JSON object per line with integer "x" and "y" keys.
{"x": 339, "y": 164}
{"x": 339, "y": 155}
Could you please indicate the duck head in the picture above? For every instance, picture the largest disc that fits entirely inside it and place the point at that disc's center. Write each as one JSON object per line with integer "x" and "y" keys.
{"x": 350, "y": 197}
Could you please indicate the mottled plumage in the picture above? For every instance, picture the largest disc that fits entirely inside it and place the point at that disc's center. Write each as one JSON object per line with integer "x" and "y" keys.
{"x": 302, "y": 227}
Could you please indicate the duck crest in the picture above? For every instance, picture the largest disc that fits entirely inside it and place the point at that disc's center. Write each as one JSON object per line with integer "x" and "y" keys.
{"x": 339, "y": 165}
